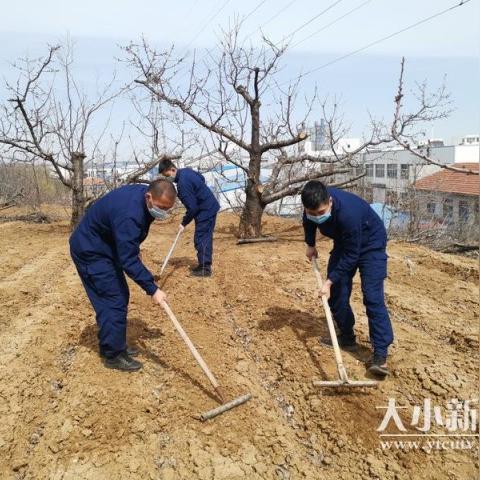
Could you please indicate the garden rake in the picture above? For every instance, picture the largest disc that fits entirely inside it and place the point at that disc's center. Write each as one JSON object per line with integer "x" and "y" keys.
{"x": 344, "y": 381}
{"x": 201, "y": 362}
{"x": 172, "y": 248}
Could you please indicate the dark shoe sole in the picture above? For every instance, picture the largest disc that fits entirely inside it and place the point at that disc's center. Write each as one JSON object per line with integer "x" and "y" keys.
{"x": 122, "y": 369}
{"x": 327, "y": 342}
{"x": 201, "y": 274}
{"x": 131, "y": 351}
{"x": 378, "y": 370}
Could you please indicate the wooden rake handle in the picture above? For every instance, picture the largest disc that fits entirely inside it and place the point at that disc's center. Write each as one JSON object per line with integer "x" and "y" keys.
{"x": 169, "y": 254}
{"x": 331, "y": 327}
{"x": 193, "y": 350}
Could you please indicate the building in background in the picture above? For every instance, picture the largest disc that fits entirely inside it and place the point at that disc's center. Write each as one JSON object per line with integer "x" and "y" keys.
{"x": 317, "y": 143}
{"x": 451, "y": 197}
{"x": 112, "y": 171}
{"x": 390, "y": 173}
{"x": 94, "y": 186}
{"x": 470, "y": 140}
{"x": 227, "y": 182}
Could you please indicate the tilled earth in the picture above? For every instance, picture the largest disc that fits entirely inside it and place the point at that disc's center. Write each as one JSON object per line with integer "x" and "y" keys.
{"x": 257, "y": 322}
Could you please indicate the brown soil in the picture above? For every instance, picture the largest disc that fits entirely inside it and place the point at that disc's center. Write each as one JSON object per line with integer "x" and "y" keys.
{"x": 257, "y": 323}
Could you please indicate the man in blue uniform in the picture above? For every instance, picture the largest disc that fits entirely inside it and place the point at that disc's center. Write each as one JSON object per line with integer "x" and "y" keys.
{"x": 359, "y": 242}
{"x": 105, "y": 244}
{"x": 201, "y": 206}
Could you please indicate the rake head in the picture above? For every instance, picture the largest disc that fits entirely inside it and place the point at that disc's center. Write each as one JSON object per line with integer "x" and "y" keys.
{"x": 345, "y": 383}
{"x": 225, "y": 407}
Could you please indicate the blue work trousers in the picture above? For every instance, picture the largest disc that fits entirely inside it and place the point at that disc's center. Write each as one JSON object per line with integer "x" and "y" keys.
{"x": 203, "y": 240}
{"x": 107, "y": 290}
{"x": 373, "y": 271}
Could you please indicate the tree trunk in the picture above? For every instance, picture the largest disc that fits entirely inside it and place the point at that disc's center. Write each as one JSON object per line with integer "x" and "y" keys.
{"x": 251, "y": 218}
{"x": 78, "y": 197}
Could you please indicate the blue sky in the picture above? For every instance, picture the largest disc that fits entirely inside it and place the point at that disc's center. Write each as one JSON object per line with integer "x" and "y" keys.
{"x": 446, "y": 46}
{"x": 455, "y": 34}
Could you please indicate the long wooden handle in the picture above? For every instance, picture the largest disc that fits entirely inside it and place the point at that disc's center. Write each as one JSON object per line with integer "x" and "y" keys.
{"x": 169, "y": 254}
{"x": 191, "y": 346}
{"x": 331, "y": 327}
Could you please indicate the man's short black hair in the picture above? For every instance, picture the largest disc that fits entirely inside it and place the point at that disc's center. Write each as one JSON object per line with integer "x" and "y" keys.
{"x": 314, "y": 194}
{"x": 160, "y": 187}
{"x": 165, "y": 165}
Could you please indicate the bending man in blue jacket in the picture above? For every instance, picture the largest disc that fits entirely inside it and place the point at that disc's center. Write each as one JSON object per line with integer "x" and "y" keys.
{"x": 359, "y": 242}
{"x": 105, "y": 244}
{"x": 201, "y": 206}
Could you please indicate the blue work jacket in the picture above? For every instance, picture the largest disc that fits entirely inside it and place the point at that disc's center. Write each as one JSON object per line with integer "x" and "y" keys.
{"x": 194, "y": 193}
{"x": 112, "y": 230}
{"x": 354, "y": 227}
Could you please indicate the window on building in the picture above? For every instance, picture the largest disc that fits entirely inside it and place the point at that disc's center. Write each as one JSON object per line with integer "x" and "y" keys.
{"x": 404, "y": 170}
{"x": 392, "y": 170}
{"x": 358, "y": 171}
{"x": 463, "y": 210}
{"x": 380, "y": 170}
{"x": 431, "y": 208}
{"x": 369, "y": 169}
{"x": 448, "y": 210}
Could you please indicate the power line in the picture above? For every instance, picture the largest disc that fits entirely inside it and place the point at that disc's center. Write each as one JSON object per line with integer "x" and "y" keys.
{"x": 191, "y": 9}
{"x": 313, "y": 19}
{"x": 286, "y": 7}
{"x": 217, "y": 12}
{"x": 254, "y": 10}
{"x": 210, "y": 49}
{"x": 376, "y": 42}
{"x": 333, "y": 22}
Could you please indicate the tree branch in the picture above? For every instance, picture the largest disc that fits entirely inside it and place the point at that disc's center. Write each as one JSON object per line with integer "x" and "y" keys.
{"x": 427, "y": 111}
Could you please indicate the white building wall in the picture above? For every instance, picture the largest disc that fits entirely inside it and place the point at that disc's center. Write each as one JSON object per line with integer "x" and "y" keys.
{"x": 377, "y": 166}
{"x": 344, "y": 145}
{"x": 467, "y": 153}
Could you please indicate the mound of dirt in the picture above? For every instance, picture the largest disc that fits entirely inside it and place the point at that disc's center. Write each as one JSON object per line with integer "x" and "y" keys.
{"x": 257, "y": 322}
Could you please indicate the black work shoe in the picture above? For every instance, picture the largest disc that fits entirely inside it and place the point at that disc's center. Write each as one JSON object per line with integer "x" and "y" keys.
{"x": 123, "y": 362}
{"x": 202, "y": 271}
{"x": 377, "y": 365}
{"x": 131, "y": 351}
{"x": 349, "y": 344}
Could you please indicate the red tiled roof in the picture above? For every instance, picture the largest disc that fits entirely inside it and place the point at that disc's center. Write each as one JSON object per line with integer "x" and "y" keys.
{"x": 452, "y": 182}
{"x": 91, "y": 181}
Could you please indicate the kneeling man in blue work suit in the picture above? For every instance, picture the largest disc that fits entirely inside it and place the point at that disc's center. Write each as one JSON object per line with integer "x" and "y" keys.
{"x": 359, "y": 242}
{"x": 105, "y": 244}
{"x": 201, "y": 205}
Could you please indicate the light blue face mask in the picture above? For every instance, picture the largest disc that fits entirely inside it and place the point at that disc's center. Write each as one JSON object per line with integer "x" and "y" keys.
{"x": 158, "y": 213}
{"x": 320, "y": 218}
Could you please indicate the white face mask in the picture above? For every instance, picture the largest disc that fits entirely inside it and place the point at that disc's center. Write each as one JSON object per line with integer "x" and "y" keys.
{"x": 319, "y": 219}
{"x": 158, "y": 213}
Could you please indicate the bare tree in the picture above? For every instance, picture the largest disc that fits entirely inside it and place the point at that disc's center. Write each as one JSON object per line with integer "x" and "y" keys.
{"x": 225, "y": 96}
{"x": 29, "y": 185}
{"x": 406, "y": 128}
{"x": 49, "y": 118}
